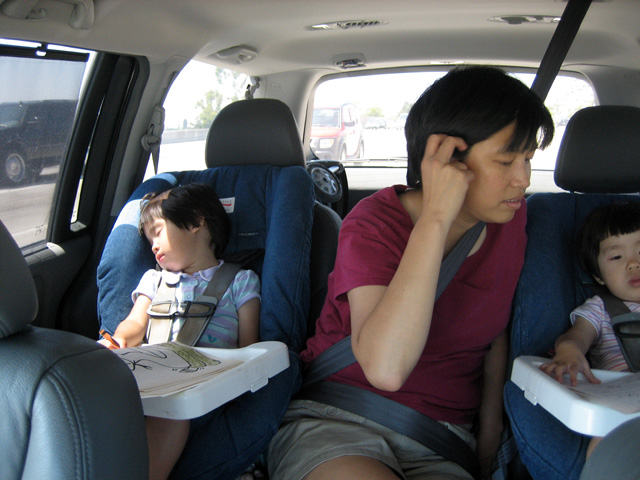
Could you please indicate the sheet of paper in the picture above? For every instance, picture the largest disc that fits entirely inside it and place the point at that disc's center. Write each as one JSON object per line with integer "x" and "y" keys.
{"x": 622, "y": 394}
{"x": 167, "y": 368}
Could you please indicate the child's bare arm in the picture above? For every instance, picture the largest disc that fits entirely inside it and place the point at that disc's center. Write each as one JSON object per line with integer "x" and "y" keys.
{"x": 571, "y": 348}
{"x": 249, "y": 323}
{"x": 132, "y": 329}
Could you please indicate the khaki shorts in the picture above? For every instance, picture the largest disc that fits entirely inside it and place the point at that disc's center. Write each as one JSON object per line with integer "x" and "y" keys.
{"x": 312, "y": 433}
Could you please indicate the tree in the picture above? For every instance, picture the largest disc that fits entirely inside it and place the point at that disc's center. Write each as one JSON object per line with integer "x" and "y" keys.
{"x": 209, "y": 107}
{"x": 230, "y": 88}
{"x": 374, "y": 112}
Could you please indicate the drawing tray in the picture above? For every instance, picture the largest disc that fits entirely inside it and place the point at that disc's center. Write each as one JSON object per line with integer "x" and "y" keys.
{"x": 576, "y": 412}
{"x": 261, "y": 361}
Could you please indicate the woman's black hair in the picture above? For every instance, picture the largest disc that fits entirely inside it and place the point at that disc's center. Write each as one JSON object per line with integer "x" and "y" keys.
{"x": 473, "y": 103}
{"x": 618, "y": 218}
{"x": 186, "y": 206}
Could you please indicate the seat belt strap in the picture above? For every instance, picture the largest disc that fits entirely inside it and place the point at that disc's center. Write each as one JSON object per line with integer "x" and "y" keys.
{"x": 389, "y": 413}
{"x": 340, "y": 355}
{"x": 625, "y": 323}
{"x": 559, "y": 45}
{"x": 151, "y": 140}
{"x": 382, "y": 410}
{"x": 194, "y": 326}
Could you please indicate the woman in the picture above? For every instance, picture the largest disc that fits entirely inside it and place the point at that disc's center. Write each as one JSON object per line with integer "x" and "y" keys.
{"x": 470, "y": 140}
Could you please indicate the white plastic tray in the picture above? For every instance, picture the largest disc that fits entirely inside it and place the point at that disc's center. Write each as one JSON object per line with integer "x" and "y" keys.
{"x": 577, "y": 413}
{"x": 261, "y": 361}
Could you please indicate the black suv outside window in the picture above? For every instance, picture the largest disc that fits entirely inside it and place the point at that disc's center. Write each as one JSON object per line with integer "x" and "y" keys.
{"x": 38, "y": 103}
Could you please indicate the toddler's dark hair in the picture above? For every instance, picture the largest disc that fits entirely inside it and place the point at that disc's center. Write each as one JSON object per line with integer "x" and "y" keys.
{"x": 186, "y": 206}
{"x": 618, "y": 218}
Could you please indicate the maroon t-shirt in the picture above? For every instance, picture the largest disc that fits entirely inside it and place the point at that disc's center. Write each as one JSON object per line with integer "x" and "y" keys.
{"x": 474, "y": 309}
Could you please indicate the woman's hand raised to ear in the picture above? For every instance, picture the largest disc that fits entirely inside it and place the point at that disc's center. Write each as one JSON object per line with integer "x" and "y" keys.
{"x": 445, "y": 180}
{"x": 390, "y": 324}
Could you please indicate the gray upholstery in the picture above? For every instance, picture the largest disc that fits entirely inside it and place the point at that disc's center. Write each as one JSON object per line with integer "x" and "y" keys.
{"x": 617, "y": 452}
{"x": 324, "y": 245}
{"x": 69, "y": 406}
{"x": 592, "y": 136}
{"x": 256, "y": 131}
{"x": 20, "y": 307}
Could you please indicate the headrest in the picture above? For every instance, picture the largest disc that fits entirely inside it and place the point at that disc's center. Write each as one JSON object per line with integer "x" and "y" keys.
{"x": 256, "y": 131}
{"x": 18, "y": 299}
{"x": 600, "y": 151}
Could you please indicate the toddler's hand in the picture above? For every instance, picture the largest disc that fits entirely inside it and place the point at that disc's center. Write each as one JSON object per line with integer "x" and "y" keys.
{"x": 561, "y": 365}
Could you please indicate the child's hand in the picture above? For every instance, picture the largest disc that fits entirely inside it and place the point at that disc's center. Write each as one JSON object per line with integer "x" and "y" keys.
{"x": 106, "y": 343}
{"x": 568, "y": 359}
{"x": 112, "y": 342}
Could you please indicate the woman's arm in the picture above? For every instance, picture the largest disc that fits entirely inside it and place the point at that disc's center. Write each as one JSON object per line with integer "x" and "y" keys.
{"x": 390, "y": 325}
{"x": 249, "y": 323}
{"x": 490, "y": 421}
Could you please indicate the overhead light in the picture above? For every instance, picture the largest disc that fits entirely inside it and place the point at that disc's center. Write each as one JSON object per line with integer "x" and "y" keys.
{"x": 237, "y": 54}
{"x": 520, "y": 19}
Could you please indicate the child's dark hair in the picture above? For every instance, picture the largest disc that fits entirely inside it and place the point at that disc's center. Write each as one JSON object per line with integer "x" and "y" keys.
{"x": 618, "y": 218}
{"x": 186, "y": 206}
{"x": 473, "y": 103}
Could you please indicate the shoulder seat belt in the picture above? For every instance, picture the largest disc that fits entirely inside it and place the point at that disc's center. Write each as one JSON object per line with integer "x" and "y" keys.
{"x": 626, "y": 326}
{"x": 165, "y": 310}
{"x": 385, "y": 411}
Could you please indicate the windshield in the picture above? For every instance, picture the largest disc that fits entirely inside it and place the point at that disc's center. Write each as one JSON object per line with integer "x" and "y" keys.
{"x": 11, "y": 114}
{"x": 326, "y": 117}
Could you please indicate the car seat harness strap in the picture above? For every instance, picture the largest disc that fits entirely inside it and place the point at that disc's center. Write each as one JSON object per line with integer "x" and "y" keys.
{"x": 389, "y": 413}
{"x": 165, "y": 310}
{"x": 626, "y": 326}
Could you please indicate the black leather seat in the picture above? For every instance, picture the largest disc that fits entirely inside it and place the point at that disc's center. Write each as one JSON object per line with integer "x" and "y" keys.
{"x": 70, "y": 409}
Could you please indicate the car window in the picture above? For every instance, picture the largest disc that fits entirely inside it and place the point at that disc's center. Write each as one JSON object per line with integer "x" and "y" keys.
{"x": 196, "y": 96}
{"x": 38, "y": 101}
{"x": 375, "y": 155}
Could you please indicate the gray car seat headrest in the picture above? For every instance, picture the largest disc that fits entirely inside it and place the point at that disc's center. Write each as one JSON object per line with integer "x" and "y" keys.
{"x": 18, "y": 300}
{"x": 600, "y": 151}
{"x": 256, "y": 131}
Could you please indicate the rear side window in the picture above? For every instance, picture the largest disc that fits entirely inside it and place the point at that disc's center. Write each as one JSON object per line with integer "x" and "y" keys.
{"x": 38, "y": 103}
{"x": 196, "y": 96}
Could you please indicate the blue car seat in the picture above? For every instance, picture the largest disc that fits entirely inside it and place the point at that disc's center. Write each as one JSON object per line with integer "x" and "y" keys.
{"x": 600, "y": 158}
{"x": 257, "y": 169}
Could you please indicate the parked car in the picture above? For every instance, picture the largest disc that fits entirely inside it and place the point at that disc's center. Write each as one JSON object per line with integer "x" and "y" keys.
{"x": 336, "y": 133}
{"x": 375, "y": 122}
{"x": 33, "y": 135}
{"x": 132, "y": 70}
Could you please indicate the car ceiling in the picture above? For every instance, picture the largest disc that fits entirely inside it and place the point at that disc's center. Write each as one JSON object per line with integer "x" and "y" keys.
{"x": 409, "y": 33}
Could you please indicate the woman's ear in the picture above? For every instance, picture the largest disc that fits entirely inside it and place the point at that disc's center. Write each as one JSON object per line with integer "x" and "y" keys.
{"x": 598, "y": 280}
{"x": 195, "y": 228}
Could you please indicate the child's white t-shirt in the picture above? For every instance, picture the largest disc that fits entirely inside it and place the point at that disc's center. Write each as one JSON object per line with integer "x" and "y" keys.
{"x": 605, "y": 353}
{"x": 222, "y": 330}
